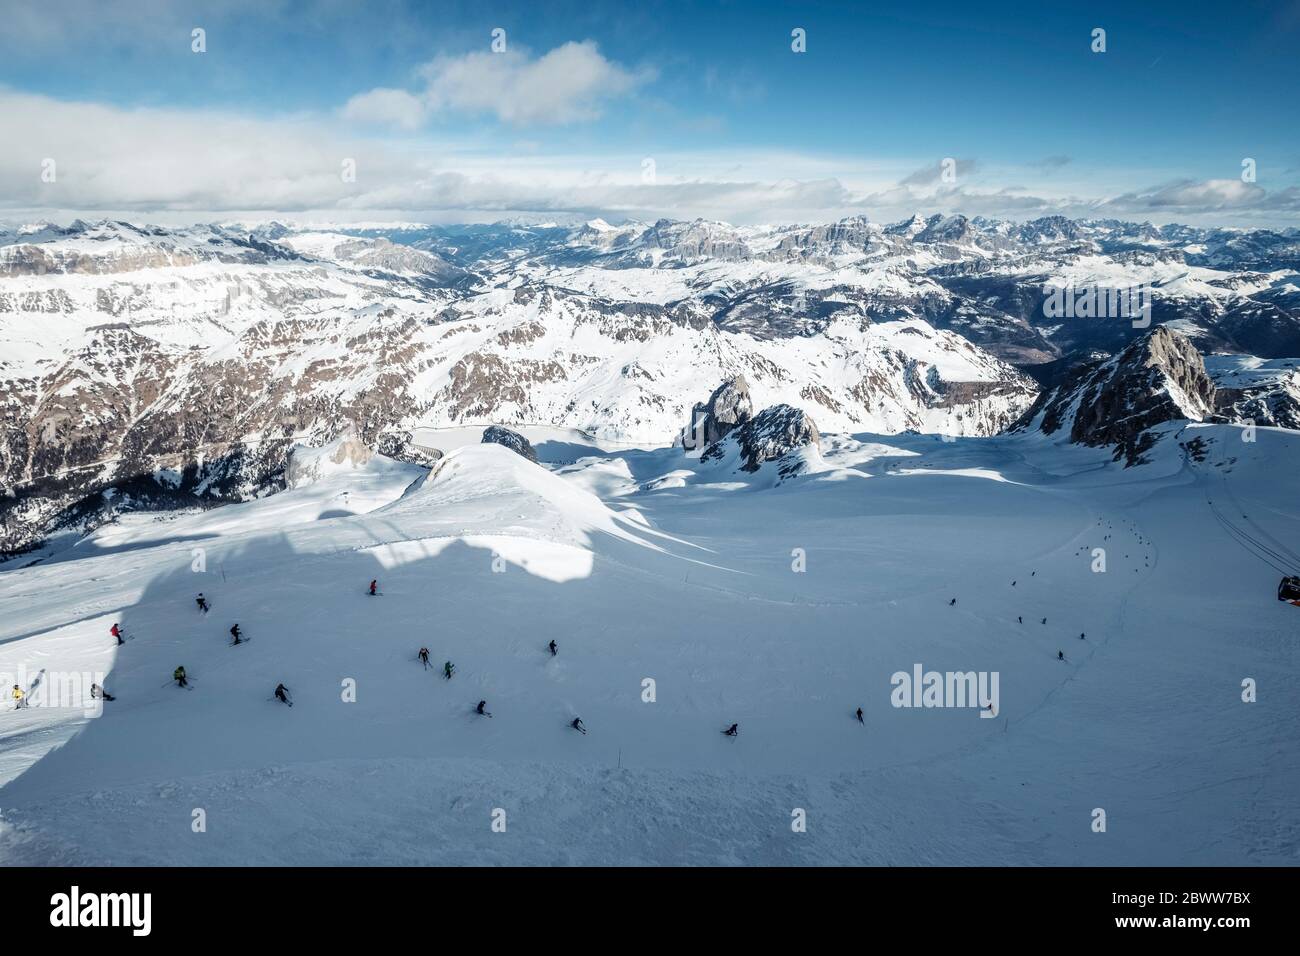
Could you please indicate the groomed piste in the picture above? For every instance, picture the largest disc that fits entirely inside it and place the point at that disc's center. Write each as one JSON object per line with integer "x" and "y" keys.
{"x": 682, "y": 598}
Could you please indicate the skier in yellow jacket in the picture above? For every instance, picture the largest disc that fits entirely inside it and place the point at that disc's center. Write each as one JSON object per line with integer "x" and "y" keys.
{"x": 18, "y": 697}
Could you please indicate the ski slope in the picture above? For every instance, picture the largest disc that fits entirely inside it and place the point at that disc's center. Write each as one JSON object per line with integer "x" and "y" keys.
{"x": 643, "y": 564}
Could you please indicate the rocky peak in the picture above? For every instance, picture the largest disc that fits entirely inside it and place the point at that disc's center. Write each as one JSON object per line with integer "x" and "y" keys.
{"x": 949, "y": 229}
{"x": 727, "y": 408}
{"x": 1158, "y": 378}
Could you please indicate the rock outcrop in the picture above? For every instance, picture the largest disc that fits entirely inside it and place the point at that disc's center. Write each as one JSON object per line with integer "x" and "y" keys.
{"x": 516, "y": 442}
{"x": 306, "y": 464}
{"x": 400, "y": 445}
{"x": 775, "y": 434}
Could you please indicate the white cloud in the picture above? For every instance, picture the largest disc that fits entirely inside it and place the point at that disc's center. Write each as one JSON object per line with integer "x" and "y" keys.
{"x": 570, "y": 84}
{"x": 386, "y": 107}
{"x": 1189, "y": 194}
{"x": 165, "y": 164}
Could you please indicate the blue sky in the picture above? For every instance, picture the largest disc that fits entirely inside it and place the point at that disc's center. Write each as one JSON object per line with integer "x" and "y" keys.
{"x": 737, "y": 124}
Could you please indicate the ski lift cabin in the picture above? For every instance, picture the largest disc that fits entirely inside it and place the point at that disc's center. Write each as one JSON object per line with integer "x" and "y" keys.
{"x": 1289, "y": 590}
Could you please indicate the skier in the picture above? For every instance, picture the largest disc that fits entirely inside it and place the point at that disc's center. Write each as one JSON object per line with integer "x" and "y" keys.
{"x": 1060, "y": 655}
{"x": 374, "y": 586}
{"x": 1044, "y": 620}
{"x": 860, "y": 720}
{"x": 1020, "y": 618}
{"x": 447, "y": 670}
{"x": 481, "y": 709}
{"x": 424, "y": 657}
{"x": 733, "y": 730}
{"x": 202, "y": 602}
{"x": 117, "y": 633}
{"x": 1013, "y": 583}
{"x": 952, "y": 602}
{"x": 19, "y": 702}
{"x": 97, "y": 692}
{"x": 576, "y": 724}
{"x": 282, "y": 694}
{"x": 236, "y": 634}
{"x": 552, "y": 647}
{"x": 1082, "y": 636}
{"x": 178, "y": 676}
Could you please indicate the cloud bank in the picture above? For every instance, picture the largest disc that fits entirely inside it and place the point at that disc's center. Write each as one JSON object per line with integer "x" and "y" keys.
{"x": 151, "y": 162}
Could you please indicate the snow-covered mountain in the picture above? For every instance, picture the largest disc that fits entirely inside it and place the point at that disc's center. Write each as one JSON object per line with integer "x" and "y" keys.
{"x": 1118, "y": 401}
{"x": 144, "y": 364}
{"x": 767, "y": 470}
{"x": 1249, "y": 389}
{"x": 147, "y": 362}
{"x": 1230, "y": 289}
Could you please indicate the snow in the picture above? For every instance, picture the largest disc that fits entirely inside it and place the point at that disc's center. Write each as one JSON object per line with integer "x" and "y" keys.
{"x": 690, "y": 584}
{"x": 640, "y": 391}
{"x": 1241, "y": 371}
{"x": 318, "y": 245}
{"x": 602, "y": 372}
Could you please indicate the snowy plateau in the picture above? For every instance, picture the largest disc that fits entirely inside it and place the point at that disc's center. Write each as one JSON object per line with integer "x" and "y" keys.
{"x": 759, "y": 477}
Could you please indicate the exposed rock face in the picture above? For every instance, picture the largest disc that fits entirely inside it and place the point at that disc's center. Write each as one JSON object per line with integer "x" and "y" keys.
{"x": 695, "y": 241}
{"x": 386, "y": 256}
{"x": 516, "y": 442}
{"x": 774, "y": 434}
{"x": 1159, "y": 378}
{"x": 728, "y": 408}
